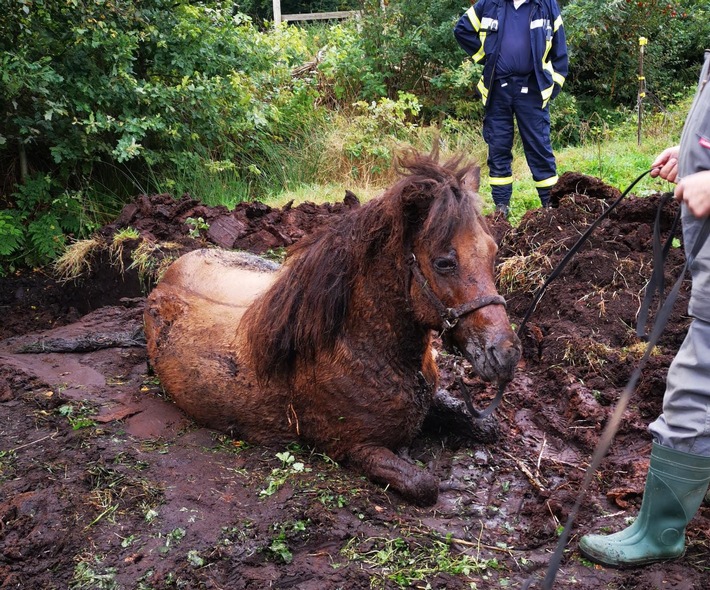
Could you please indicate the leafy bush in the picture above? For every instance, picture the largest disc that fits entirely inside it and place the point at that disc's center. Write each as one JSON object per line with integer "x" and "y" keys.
{"x": 400, "y": 46}
{"x": 565, "y": 124}
{"x": 35, "y": 231}
{"x": 363, "y": 145}
{"x": 94, "y": 93}
{"x": 603, "y": 39}
{"x": 151, "y": 82}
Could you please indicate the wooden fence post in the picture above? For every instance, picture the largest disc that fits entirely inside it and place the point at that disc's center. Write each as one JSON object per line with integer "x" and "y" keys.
{"x": 277, "y": 12}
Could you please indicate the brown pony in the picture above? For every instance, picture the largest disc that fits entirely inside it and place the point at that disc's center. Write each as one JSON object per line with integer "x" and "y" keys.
{"x": 334, "y": 349}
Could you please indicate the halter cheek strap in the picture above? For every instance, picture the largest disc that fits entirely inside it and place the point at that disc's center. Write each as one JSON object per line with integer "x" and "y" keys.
{"x": 449, "y": 318}
{"x": 450, "y": 315}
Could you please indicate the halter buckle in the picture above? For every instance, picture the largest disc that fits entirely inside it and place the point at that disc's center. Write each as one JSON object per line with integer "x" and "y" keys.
{"x": 449, "y": 319}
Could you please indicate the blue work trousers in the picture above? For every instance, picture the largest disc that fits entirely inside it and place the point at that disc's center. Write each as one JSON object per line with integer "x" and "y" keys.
{"x": 510, "y": 98}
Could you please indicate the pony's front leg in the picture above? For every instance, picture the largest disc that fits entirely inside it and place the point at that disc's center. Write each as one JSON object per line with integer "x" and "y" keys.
{"x": 449, "y": 414}
{"x": 382, "y": 466}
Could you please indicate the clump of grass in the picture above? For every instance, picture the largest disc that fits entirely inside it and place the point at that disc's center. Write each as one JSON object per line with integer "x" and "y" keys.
{"x": 636, "y": 351}
{"x": 116, "y": 248}
{"x": 406, "y": 561}
{"x": 523, "y": 273}
{"x": 76, "y": 259}
{"x": 89, "y": 574}
{"x": 591, "y": 353}
{"x": 151, "y": 259}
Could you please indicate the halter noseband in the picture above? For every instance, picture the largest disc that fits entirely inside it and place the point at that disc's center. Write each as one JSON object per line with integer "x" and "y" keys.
{"x": 450, "y": 315}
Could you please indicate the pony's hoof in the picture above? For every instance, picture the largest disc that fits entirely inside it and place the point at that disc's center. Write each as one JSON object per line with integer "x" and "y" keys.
{"x": 424, "y": 490}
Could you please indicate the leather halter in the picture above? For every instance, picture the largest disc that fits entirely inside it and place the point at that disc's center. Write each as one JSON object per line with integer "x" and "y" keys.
{"x": 450, "y": 315}
{"x": 449, "y": 318}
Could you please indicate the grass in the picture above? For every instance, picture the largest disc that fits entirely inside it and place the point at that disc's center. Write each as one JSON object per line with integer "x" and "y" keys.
{"x": 322, "y": 193}
{"x": 76, "y": 259}
{"x": 406, "y": 561}
{"x": 524, "y": 272}
{"x": 612, "y": 155}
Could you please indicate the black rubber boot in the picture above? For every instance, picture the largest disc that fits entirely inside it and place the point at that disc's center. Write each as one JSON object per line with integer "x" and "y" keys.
{"x": 545, "y": 200}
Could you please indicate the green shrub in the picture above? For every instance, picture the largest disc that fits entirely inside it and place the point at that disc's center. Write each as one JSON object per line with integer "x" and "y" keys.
{"x": 565, "y": 123}
{"x": 35, "y": 231}
{"x": 400, "y": 46}
{"x": 603, "y": 39}
{"x": 363, "y": 144}
{"x": 111, "y": 98}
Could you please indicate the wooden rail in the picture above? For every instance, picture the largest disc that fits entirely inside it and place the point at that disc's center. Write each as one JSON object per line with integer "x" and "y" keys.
{"x": 279, "y": 18}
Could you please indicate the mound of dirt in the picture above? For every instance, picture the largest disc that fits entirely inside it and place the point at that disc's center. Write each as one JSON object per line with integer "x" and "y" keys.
{"x": 254, "y": 227}
{"x": 104, "y": 484}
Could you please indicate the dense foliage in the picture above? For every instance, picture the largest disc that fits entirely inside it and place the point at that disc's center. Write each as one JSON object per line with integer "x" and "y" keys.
{"x": 102, "y": 99}
{"x": 96, "y": 91}
{"x": 409, "y": 46}
{"x": 604, "y": 43}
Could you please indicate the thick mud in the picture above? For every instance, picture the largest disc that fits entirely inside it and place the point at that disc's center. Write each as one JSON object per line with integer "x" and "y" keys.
{"x": 105, "y": 484}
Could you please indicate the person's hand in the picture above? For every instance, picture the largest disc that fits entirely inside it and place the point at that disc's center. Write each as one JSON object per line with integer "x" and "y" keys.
{"x": 666, "y": 164}
{"x": 694, "y": 191}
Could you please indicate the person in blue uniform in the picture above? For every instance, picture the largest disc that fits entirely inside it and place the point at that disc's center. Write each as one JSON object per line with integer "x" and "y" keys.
{"x": 522, "y": 46}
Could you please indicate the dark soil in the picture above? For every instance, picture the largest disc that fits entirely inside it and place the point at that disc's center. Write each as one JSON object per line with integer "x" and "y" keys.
{"x": 105, "y": 484}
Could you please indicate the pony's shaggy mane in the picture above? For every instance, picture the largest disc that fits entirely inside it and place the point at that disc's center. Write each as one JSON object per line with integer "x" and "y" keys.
{"x": 304, "y": 311}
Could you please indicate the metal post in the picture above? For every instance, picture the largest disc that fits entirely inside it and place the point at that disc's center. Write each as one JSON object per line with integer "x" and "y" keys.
{"x": 642, "y": 86}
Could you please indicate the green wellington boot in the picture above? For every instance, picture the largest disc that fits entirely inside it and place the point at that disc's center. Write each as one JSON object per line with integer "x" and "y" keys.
{"x": 675, "y": 487}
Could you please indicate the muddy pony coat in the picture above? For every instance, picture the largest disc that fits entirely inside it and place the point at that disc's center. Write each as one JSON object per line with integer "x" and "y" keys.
{"x": 334, "y": 348}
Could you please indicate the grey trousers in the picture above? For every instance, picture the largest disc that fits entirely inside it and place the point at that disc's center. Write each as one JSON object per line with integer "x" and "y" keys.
{"x": 684, "y": 424}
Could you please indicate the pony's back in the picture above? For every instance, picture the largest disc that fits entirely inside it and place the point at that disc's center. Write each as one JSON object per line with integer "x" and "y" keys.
{"x": 225, "y": 277}
{"x": 191, "y": 326}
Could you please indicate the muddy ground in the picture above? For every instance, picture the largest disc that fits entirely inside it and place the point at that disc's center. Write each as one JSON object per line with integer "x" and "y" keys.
{"x": 104, "y": 484}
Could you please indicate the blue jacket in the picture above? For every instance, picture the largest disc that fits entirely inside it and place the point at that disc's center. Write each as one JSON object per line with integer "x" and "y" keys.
{"x": 478, "y": 33}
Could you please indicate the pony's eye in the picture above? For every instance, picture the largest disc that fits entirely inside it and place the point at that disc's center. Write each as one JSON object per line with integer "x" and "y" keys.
{"x": 445, "y": 265}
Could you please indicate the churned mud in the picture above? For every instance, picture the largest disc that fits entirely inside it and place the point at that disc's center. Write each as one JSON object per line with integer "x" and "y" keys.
{"x": 104, "y": 484}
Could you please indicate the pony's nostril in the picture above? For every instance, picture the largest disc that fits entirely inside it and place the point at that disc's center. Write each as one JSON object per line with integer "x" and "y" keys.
{"x": 506, "y": 349}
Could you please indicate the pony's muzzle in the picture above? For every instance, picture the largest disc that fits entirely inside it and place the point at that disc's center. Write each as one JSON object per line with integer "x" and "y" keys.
{"x": 494, "y": 359}
{"x": 505, "y": 353}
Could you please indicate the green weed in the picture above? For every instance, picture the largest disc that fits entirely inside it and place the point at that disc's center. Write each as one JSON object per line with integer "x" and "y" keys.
{"x": 88, "y": 575}
{"x": 279, "y": 475}
{"x": 198, "y": 227}
{"x": 7, "y": 464}
{"x": 405, "y": 561}
{"x": 279, "y": 548}
{"x": 78, "y": 414}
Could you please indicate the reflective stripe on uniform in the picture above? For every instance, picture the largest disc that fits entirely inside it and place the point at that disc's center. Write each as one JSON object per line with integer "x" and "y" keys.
{"x": 547, "y": 183}
{"x": 473, "y": 17}
{"x": 500, "y": 180}
{"x": 483, "y": 90}
{"x": 477, "y": 26}
{"x": 480, "y": 54}
{"x": 547, "y": 93}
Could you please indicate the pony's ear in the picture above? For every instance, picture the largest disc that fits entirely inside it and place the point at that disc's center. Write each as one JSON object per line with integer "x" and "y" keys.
{"x": 472, "y": 179}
